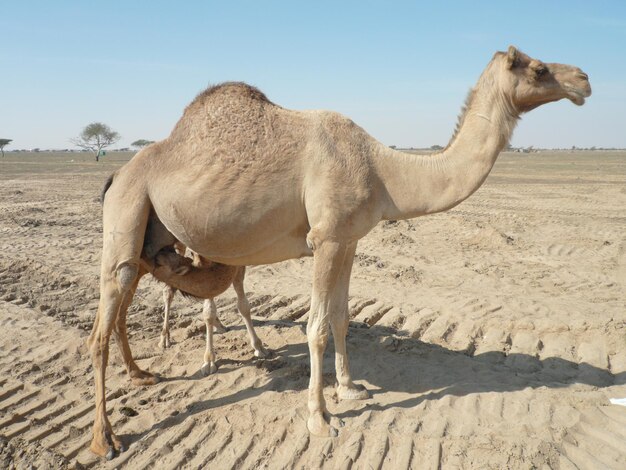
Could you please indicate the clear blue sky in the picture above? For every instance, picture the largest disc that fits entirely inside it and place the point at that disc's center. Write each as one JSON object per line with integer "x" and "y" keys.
{"x": 401, "y": 70}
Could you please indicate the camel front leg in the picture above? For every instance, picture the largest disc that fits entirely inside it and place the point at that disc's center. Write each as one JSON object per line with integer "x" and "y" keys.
{"x": 327, "y": 301}
{"x": 209, "y": 312}
{"x": 339, "y": 322}
{"x": 244, "y": 310}
{"x": 168, "y": 296}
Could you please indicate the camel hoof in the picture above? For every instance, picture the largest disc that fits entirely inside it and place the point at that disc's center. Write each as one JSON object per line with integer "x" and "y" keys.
{"x": 356, "y": 392}
{"x": 208, "y": 368}
{"x": 107, "y": 446}
{"x": 318, "y": 426}
{"x": 221, "y": 329}
{"x": 164, "y": 342}
{"x": 261, "y": 352}
{"x": 142, "y": 377}
{"x": 117, "y": 444}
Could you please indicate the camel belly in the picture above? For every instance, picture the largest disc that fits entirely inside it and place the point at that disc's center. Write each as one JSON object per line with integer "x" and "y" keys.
{"x": 235, "y": 212}
{"x": 236, "y": 231}
{"x": 245, "y": 251}
{"x": 281, "y": 250}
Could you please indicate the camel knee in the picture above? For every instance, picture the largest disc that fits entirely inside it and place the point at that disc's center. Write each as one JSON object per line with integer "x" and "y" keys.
{"x": 99, "y": 350}
{"x": 126, "y": 276}
{"x": 209, "y": 311}
{"x": 244, "y": 307}
{"x": 317, "y": 338}
{"x": 168, "y": 295}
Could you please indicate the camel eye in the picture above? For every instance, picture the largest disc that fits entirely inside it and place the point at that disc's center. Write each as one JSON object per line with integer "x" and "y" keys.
{"x": 541, "y": 71}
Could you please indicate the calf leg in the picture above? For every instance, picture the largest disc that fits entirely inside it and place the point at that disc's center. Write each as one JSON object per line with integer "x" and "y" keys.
{"x": 168, "y": 296}
{"x": 104, "y": 442}
{"x": 209, "y": 312}
{"x": 244, "y": 310}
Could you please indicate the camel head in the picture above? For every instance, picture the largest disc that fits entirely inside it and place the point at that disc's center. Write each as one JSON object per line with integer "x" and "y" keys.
{"x": 530, "y": 82}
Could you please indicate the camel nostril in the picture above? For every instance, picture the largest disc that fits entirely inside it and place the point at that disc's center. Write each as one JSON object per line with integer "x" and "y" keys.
{"x": 583, "y": 75}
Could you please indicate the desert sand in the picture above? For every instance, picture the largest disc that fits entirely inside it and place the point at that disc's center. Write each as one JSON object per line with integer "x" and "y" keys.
{"x": 491, "y": 336}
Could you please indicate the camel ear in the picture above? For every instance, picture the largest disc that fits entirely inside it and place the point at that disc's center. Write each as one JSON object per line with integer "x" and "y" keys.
{"x": 511, "y": 56}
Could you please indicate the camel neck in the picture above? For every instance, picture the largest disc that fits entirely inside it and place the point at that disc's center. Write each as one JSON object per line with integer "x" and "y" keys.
{"x": 425, "y": 184}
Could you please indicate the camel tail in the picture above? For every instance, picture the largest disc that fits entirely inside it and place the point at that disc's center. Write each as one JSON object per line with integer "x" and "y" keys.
{"x": 106, "y": 187}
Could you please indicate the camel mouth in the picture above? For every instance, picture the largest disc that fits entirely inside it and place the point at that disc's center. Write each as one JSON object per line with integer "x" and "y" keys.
{"x": 578, "y": 95}
{"x": 576, "y": 98}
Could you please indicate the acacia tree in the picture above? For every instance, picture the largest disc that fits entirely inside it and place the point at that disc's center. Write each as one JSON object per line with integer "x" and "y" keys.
{"x": 4, "y": 142}
{"x": 142, "y": 143}
{"x": 95, "y": 137}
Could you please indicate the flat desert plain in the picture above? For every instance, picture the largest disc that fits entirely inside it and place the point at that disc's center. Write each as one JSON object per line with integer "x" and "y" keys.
{"x": 490, "y": 336}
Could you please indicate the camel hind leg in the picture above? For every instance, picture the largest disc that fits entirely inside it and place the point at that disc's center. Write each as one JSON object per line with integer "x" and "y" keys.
{"x": 137, "y": 376}
{"x": 104, "y": 442}
{"x": 116, "y": 294}
{"x": 124, "y": 226}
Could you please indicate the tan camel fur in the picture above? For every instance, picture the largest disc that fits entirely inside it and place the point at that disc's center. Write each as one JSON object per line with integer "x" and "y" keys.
{"x": 209, "y": 313}
{"x": 242, "y": 181}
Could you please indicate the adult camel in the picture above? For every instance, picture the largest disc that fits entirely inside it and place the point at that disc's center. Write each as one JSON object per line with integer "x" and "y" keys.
{"x": 242, "y": 181}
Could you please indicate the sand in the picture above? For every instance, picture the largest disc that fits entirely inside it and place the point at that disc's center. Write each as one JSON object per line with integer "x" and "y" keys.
{"x": 491, "y": 336}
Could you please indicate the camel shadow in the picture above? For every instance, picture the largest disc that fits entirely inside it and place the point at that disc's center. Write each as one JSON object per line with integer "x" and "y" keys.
{"x": 391, "y": 363}
{"x": 432, "y": 372}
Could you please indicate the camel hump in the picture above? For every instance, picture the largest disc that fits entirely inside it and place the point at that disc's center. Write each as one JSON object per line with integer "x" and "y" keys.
{"x": 232, "y": 90}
